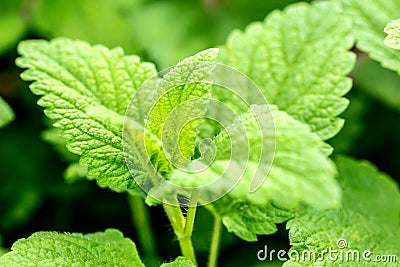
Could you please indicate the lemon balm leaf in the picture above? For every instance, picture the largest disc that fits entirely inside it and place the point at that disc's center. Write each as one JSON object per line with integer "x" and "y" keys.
{"x": 181, "y": 94}
{"x": 86, "y": 91}
{"x": 368, "y": 28}
{"x": 374, "y": 27}
{"x": 368, "y": 220}
{"x": 109, "y": 248}
{"x": 6, "y": 113}
{"x": 392, "y": 30}
{"x": 301, "y": 171}
{"x": 247, "y": 220}
{"x": 299, "y": 58}
{"x": 161, "y": 131}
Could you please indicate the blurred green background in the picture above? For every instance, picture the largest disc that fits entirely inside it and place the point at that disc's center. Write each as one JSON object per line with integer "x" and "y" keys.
{"x": 33, "y": 193}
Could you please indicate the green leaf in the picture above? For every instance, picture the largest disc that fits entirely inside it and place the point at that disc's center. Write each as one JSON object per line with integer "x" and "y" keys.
{"x": 300, "y": 172}
{"x": 108, "y": 248}
{"x": 86, "y": 90}
{"x": 299, "y": 58}
{"x": 11, "y": 24}
{"x": 247, "y": 220}
{"x": 368, "y": 220}
{"x": 392, "y": 29}
{"x": 180, "y": 98}
{"x": 369, "y": 20}
{"x": 158, "y": 127}
{"x": 6, "y": 113}
{"x": 179, "y": 262}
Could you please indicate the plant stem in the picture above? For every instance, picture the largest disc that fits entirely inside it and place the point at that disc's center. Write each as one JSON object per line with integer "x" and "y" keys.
{"x": 183, "y": 227}
{"x": 176, "y": 218}
{"x": 191, "y": 214}
{"x": 141, "y": 220}
{"x": 186, "y": 242}
{"x": 215, "y": 241}
{"x": 187, "y": 248}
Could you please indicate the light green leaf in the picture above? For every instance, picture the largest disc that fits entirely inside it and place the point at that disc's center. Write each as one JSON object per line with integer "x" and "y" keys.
{"x": 247, "y": 220}
{"x": 300, "y": 172}
{"x": 108, "y": 248}
{"x": 299, "y": 58}
{"x": 159, "y": 127}
{"x": 180, "y": 98}
{"x": 86, "y": 90}
{"x": 179, "y": 262}
{"x": 11, "y": 24}
{"x": 392, "y": 29}
{"x": 369, "y": 20}
{"x": 6, "y": 113}
{"x": 368, "y": 220}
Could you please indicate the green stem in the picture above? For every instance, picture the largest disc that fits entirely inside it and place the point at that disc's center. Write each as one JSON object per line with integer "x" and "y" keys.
{"x": 187, "y": 248}
{"x": 183, "y": 227}
{"x": 215, "y": 241}
{"x": 191, "y": 214}
{"x": 176, "y": 218}
{"x": 141, "y": 220}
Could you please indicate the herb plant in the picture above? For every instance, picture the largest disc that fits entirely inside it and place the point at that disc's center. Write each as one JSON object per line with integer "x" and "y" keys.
{"x": 135, "y": 130}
